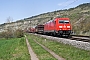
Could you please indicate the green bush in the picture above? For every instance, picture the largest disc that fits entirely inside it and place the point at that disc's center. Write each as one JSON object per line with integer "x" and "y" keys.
{"x": 19, "y": 33}
{"x": 12, "y": 34}
{"x": 6, "y": 34}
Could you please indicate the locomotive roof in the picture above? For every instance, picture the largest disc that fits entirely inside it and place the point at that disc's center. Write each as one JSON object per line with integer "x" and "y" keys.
{"x": 63, "y": 18}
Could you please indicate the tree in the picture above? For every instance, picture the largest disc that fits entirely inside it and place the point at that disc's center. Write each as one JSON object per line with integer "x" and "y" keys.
{"x": 9, "y": 20}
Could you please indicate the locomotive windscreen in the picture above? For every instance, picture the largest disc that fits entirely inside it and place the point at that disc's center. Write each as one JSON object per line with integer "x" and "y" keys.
{"x": 63, "y": 21}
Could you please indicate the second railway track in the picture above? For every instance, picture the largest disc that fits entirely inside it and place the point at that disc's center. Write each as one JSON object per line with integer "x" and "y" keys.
{"x": 80, "y": 38}
{"x": 79, "y": 42}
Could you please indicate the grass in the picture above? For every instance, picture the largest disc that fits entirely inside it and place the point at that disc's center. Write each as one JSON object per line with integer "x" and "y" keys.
{"x": 40, "y": 52}
{"x": 13, "y": 49}
{"x": 66, "y": 51}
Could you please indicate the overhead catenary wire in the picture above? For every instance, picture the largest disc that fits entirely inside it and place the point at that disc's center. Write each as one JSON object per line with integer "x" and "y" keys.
{"x": 72, "y": 1}
{"x": 69, "y": 3}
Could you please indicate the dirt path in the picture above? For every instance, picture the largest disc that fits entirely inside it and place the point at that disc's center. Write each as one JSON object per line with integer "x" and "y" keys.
{"x": 51, "y": 52}
{"x": 32, "y": 54}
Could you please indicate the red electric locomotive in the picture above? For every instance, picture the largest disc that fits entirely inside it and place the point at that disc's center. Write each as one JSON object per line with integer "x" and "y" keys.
{"x": 58, "y": 26}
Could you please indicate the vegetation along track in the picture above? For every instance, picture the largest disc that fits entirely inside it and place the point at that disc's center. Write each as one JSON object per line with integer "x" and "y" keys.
{"x": 32, "y": 54}
{"x": 57, "y": 57}
{"x": 51, "y": 52}
{"x": 53, "y": 43}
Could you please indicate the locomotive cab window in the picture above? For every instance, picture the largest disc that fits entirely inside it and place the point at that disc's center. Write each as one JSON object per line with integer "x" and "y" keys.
{"x": 63, "y": 21}
{"x": 66, "y": 21}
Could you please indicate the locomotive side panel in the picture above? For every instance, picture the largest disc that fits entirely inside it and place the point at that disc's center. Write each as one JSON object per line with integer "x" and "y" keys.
{"x": 58, "y": 26}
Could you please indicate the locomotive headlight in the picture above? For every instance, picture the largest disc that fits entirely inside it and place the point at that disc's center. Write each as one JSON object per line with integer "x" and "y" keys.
{"x": 60, "y": 26}
{"x": 68, "y": 26}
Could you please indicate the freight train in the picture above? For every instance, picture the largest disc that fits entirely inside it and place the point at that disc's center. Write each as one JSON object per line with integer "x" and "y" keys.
{"x": 58, "y": 26}
{"x": 39, "y": 29}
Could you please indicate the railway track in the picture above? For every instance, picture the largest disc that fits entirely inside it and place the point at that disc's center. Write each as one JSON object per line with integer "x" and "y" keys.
{"x": 76, "y": 41}
{"x": 76, "y": 37}
{"x": 80, "y": 38}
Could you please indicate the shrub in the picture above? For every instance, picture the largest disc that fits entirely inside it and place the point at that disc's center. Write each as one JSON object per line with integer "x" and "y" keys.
{"x": 19, "y": 33}
{"x": 6, "y": 34}
{"x": 12, "y": 34}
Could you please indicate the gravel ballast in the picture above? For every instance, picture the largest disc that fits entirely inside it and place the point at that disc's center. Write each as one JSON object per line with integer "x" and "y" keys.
{"x": 78, "y": 44}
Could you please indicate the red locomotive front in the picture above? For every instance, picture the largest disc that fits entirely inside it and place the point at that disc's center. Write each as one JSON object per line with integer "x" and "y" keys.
{"x": 58, "y": 26}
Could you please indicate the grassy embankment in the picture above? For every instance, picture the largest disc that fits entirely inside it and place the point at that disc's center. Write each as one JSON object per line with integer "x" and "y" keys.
{"x": 66, "y": 51}
{"x": 40, "y": 52}
{"x": 13, "y": 49}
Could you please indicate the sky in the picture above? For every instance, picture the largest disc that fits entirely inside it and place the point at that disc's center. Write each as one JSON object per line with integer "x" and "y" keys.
{"x": 20, "y": 9}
